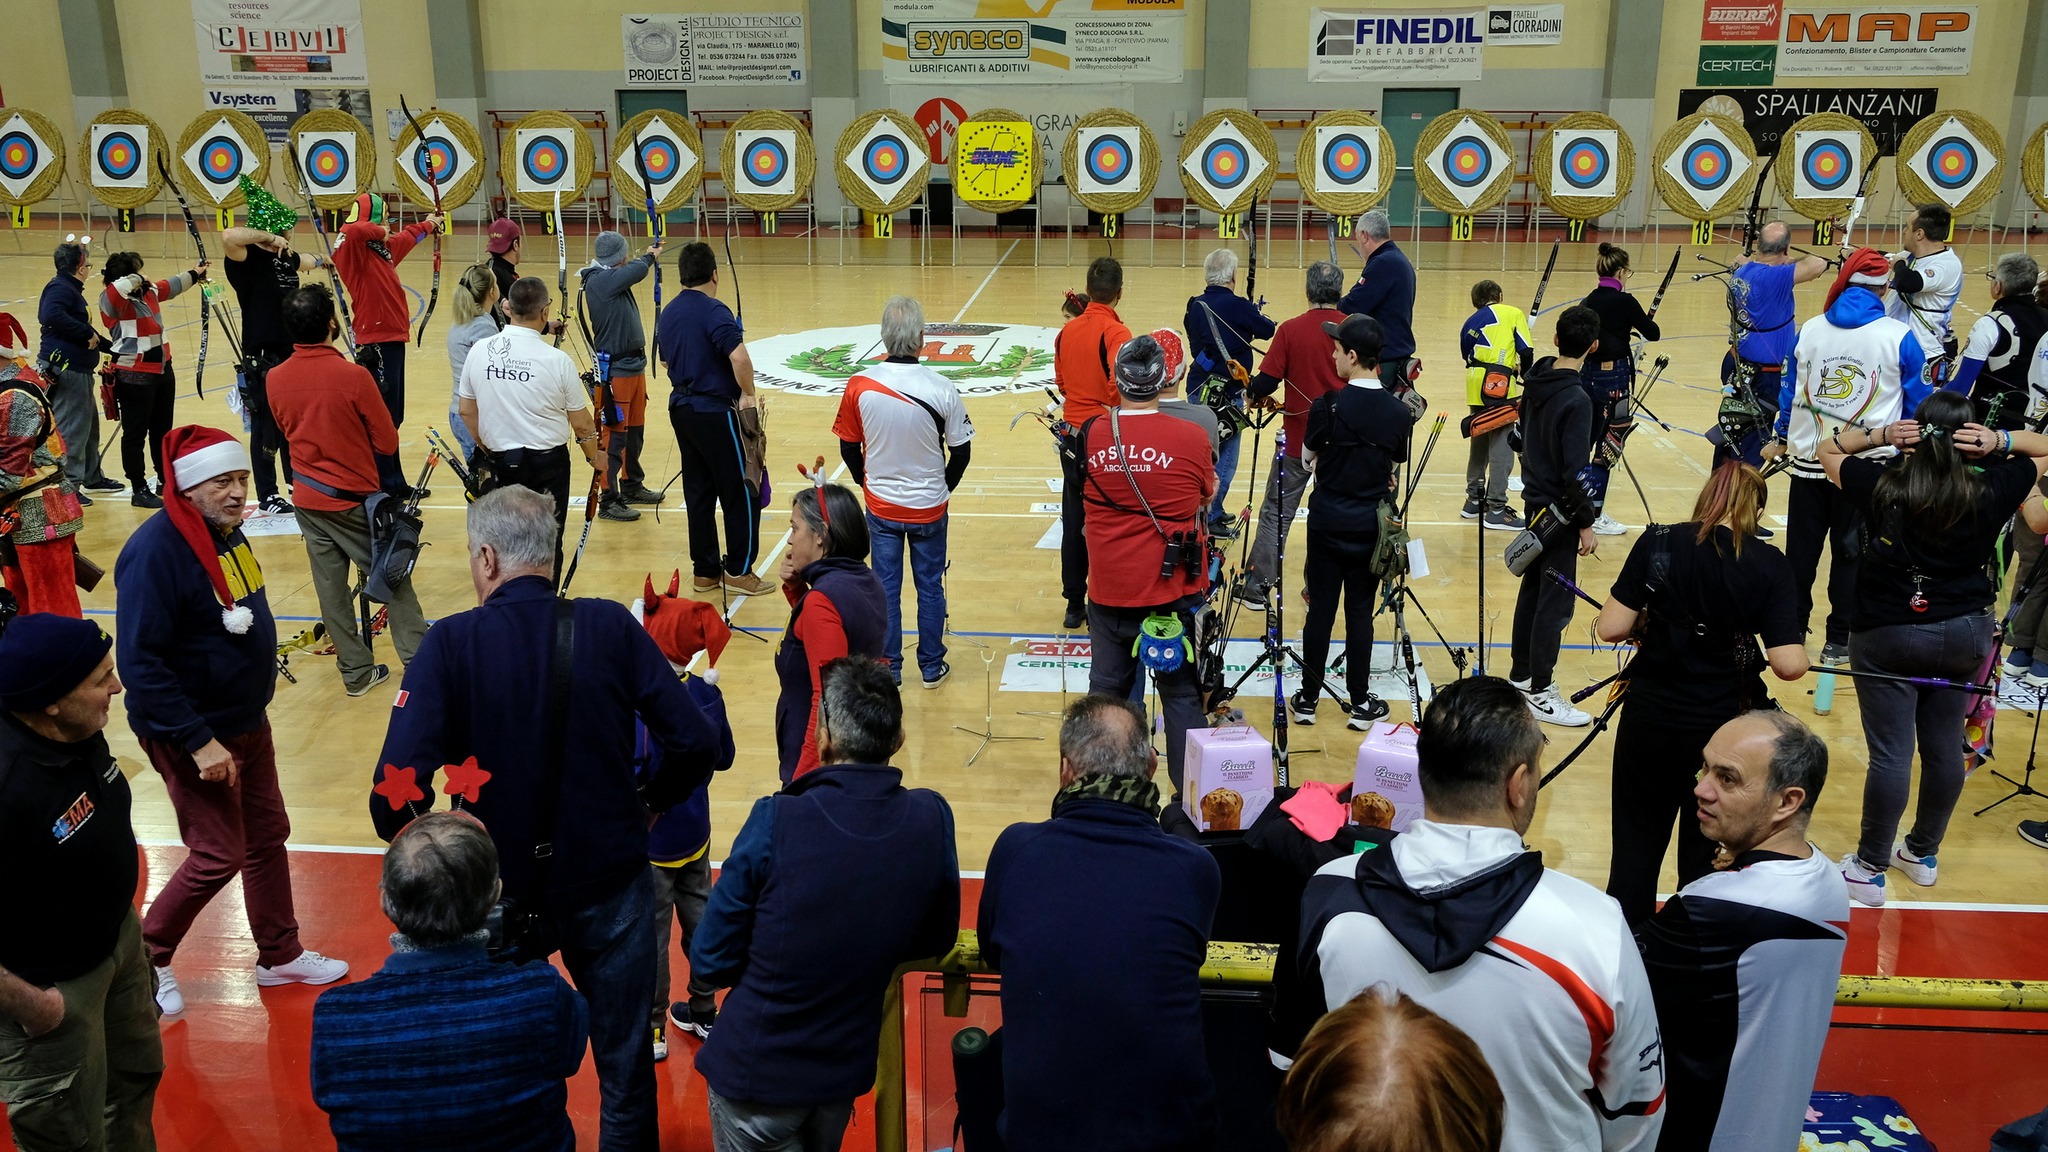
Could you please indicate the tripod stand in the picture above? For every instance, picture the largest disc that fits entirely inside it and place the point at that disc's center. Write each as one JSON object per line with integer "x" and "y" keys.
{"x": 2024, "y": 786}
{"x": 987, "y": 731}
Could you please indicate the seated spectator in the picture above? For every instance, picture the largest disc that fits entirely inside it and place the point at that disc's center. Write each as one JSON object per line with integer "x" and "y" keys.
{"x": 399, "y": 1059}
{"x": 833, "y": 883}
{"x": 1539, "y": 968}
{"x": 1744, "y": 962}
{"x": 1384, "y": 1074}
{"x": 1101, "y": 879}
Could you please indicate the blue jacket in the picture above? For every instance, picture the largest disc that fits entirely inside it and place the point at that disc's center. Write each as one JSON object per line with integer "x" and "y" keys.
{"x": 500, "y": 1087}
{"x": 189, "y": 680}
{"x": 683, "y": 833}
{"x": 1238, "y": 321}
{"x": 67, "y": 326}
{"x": 1099, "y": 922}
{"x": 833, "y": 882}
{"x": 477, "y": 689}
{"x": 1386, "y": 292}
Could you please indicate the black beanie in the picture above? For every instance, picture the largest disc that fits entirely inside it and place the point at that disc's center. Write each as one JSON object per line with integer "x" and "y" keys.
{"x": 44, "y": 656}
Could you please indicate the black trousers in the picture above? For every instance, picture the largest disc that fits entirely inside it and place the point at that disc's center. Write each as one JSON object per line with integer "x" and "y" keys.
{"x": 1339, "y": 564}
{"x": 1073, "y": 541}
{"x": 546, "y": 471}
{"x": 622, "y": 459}
{"x": 147, "y": 400}
{"x": 1655, "y": 767}
{"x": 267, "y": 446}
{"x": 1817, "y": 512}
{"x": 1543, "y": 610}
{"x": 714, "y": 483}
{"x": 386, "y": 361}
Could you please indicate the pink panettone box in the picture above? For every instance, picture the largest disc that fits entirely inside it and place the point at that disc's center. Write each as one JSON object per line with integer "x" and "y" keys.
{"x": 1386, "y": 788}
{"x": 1229, "y": 773}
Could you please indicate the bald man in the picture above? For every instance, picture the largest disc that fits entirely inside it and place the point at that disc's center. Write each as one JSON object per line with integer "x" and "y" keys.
{"x": 1769, "y": 327}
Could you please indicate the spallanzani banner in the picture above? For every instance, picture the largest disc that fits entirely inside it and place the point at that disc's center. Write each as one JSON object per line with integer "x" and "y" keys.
{"x": 1014, "y": 42}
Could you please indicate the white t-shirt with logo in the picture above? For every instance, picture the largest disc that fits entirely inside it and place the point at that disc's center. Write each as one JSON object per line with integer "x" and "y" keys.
{"x": 524, "y": 389}
{"x": 896, "y": 412}
{"x": 1927, "y": 312}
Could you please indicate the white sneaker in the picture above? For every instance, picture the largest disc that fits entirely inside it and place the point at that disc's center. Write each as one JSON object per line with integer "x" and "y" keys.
{"x": 1865, "y": 886}
{"x": 1551, "y": 707}
{"x": 169, "y": 1000}
{"x": 1521, "y": 685}
{"x": 1608, "y": 526}
{"x": 1918, "y": 869}
{"x": 309, "y": 968}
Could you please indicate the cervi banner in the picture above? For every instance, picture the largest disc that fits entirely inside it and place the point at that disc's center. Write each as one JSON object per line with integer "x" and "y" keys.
{"x": 1888, "y": 40}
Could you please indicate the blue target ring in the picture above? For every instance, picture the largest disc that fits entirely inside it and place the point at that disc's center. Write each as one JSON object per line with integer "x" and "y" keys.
{"x": 119, "y": 155}
{"x": 1226, "y": 164}
{"x": 220, "y": 159}
{"x": 434, "y": 161}
{"x": 1346, "y": 160}
{"x": 546, "y": 160}
{"x": 765, "y": 162}
{"x": 1584, "y": 164}
{"x": 886, "y": 159}
{"x": 1827, "y": 166}
{"x": 659, "y": 158}
{"x": 1707, "y": 164}
{"x": 1952, "y": 163}
{"x": 327, "y": 166}
{"x": 19, "y": 154}
{"x": 1110, "y": 159}
{"x": 1468, "y": 162}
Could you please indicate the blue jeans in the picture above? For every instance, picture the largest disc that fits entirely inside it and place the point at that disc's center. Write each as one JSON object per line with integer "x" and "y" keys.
{"x": 460, "y": 430}
{"x": 927, "y": 544}
{"x": 608, "y": 948}
{"x": 1226, "y": 471}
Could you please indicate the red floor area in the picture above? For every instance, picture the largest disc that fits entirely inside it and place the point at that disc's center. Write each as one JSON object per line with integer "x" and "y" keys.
{"x": 236, "y": 1075}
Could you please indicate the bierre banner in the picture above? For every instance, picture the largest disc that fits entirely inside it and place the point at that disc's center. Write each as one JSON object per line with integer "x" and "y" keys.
{"x": 1061, "y": 42}
{"x": 1395, "y": 44}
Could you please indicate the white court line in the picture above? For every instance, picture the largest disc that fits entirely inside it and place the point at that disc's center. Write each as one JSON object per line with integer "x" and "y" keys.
{"x": 997, "y": 267}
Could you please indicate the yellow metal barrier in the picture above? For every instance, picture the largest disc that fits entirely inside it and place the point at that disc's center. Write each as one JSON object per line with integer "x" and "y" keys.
{"x": 1252, "y": 964}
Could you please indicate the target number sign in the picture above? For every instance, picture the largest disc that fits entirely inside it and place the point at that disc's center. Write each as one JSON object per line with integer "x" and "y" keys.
{"x": 1468, "y": 161}
{"x": 1826, "y": 165}
{"x": 1225, "y": 164}
{"x": 886, "y": 160}
{"x": 219, "y": 158}
{"x": 437, "y": 157}
{"x": 1110, "y": 163}
{"x": 120, "y": 156}
{"x": 665, "y": 159}
{"x": 766, "y": 159}
{"x": 1584, "y": 162}
{"x": 24, "y": 155}
{"x": 1347, "y": 160}
{"x": 547, "y": 161}
{"x": 1710, "y": 167}
{"x": 1953, "y": 162}
{"x": 329, "y": 161}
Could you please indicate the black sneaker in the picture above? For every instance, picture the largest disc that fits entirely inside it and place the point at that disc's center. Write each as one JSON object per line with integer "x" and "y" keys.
{"x": 1835, "y": 655}
{"x": 144, "y": 498}
{"x": 1303, "y": 706}
{"x": 1077, "y": 615}
{"x": 1225, "y": 529}
{"x": 698, "y": 1025}
{"x": 2035, "y": 832}
{"x": 1363, "y": 715}
{"x": 1248, "y": 596}
{"x": 639, "y": 494}
{"x": 104, "y": 484}
{"x": 276, "y": 505}
{"x": 1474, "y": 505}
{"x": 84, "y": 501}
{"x": 1763, "y": 533}
{"x": 617, "y": 509}
{"x": 378, "y": 675}
{"x": 1505, "y": 520}
{"x": 934, "y": 681}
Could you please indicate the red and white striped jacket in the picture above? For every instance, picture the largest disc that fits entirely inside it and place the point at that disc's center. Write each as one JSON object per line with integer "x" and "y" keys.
{"x": 137, "y": 323}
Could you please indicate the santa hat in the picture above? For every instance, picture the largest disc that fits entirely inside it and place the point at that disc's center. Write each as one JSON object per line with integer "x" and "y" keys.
{"x": 1866, "y": 268}
{"x": 199, "y": 454}
{"x": 266, "y": 212}
{"x": 682, "y": 628}
{"x": 1176, "y": 352}
{"x": 13, "y": 341}
{"x": 368, "y": 206}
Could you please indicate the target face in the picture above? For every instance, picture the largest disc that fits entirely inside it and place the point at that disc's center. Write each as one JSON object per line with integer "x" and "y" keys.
{"x": 219, "y": 158}
{"x": 1110, "y": 163}
{"x": 666, "y": 159}
{"x": 1225, "y": 164}
{"x": 1953, "y": 162}
{"x": 1469, "y": 162}
{"x": 766, "y": 161}
{"x": 436, "y": 158}
{"x": 887, "y": 162}
{"x": 1584, "y": 160}
{"x": 995, "y": 162}
{"x": 120, "y": 156}
{"x": 1825, "y": 165}
{"x": 547, "y": 161}
{"x": 329, "y": 161}
{"x": 24, "y": 154}
{"x": 1345, "y": 160}
{"x": 1710, "y": 166}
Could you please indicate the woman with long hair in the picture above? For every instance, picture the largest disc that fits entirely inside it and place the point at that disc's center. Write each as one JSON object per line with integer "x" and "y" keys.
{"x": 837, "y": 608}
{"x": 1610, "y": 371}
{"x": 1382, "y": 1073}
{"x": 476, "y": 303}
{"x": 1696, "y": 597}
{"x": 1924, "y": 590}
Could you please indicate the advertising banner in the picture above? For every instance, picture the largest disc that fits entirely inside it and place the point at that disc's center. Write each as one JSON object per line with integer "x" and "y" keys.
{"x": 671, "y": 50}
{"x": 1740, "y": 20}
{"x": 1541, "y": 24}
{"x": 1395, "y": 44}
{"x": 1060, "y": 42}
{"x": 1731, "y": 65}
{"x": 281, "y": 43}
{"x": 1889, "y": 40}
{"x": 1766, "y": 113}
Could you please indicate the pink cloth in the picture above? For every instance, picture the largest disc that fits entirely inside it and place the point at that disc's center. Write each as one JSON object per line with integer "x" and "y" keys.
{"x": 1315, "y": 809}
{"x": 1613, "y": 282}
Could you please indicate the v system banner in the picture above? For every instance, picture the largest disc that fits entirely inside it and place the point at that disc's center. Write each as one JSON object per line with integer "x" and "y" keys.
{"x": 281, "y": 43}
{"x": 1398, "y": 44}
{"x": 1050, "y": 42}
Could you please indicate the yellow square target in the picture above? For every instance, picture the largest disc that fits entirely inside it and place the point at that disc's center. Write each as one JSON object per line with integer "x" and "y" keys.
{"x": 995, "y": 162}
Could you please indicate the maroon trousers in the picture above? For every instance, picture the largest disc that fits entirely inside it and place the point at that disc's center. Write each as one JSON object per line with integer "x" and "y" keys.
{"x": 227, "y": 831}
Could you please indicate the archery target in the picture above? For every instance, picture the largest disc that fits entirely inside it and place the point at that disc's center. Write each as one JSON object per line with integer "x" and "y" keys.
{"x": 329, "y": 161}
{"x": 1585, "y": 160}
{"x": 1345, "y": 160}
{"x": 666, "y": 160}
{"x": 1825, "y": 165}
{"x": 1709, "y": 166}
{"x": 219, "y": 158}
{"x": 1225, "y": 163}
{"x": 438, "y": 157}
{"x": 886, "y": 161}
{"x": 767, "y": 161}
{"x": 24, "y": 155}
{"x": 1952, "y": 162}
{"x": 546, "y": 161}
{"x": 1469, "y": 161}
{"x": 120, "y": 156}
{"x": 1110, "y": 161}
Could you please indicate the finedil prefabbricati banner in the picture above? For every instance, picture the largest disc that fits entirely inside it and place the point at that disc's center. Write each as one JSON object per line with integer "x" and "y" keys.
{"x": 1066, "y": 42}
{"x": 1395, "y": 44}
{"x": 281, "y": 43}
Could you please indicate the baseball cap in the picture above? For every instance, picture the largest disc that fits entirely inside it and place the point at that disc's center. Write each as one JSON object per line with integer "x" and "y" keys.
{"x": 1359, "y": 334}
{"x": 505, "y": 232}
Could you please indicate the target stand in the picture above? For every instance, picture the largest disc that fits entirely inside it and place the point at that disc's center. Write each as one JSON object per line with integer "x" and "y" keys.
{"x": 767, "y": 168}
{"x": 860, "y": 224}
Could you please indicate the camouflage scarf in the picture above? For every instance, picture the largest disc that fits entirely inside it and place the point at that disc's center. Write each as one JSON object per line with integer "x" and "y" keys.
{"x": 1137, "y": 791}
